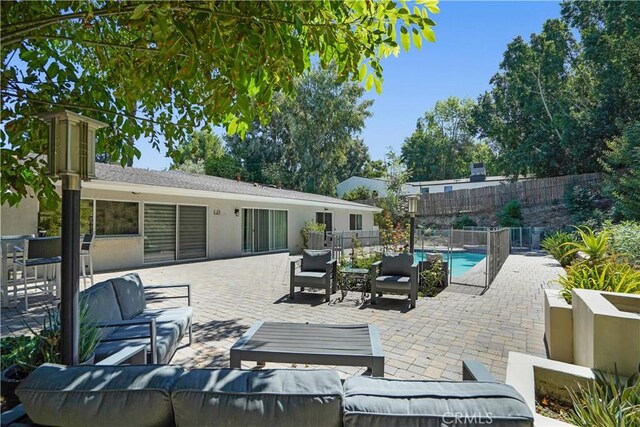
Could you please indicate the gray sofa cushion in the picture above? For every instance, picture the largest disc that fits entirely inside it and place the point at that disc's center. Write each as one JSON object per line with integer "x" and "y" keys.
{"x": 282, "y": 397}
{"x": 315, "y": 260}
{"x": 374, "y": 402}
{"x": 397, "y": 264}
{"x": 102, "y": 305}
{"x": 167, "y": 339}
{"x": 181, "y": 316}
{"x": 57, "y": 395}
{"x": 393, "y": 283}
{"x": 130, "y": 293}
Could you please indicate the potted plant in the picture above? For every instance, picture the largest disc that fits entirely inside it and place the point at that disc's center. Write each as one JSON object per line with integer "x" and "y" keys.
{"x": 21, "y": 355}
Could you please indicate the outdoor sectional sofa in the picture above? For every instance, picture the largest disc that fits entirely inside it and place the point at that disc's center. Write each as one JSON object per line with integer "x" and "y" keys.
{"x": 118, "y": 306}
{"x": 165, "y": 395}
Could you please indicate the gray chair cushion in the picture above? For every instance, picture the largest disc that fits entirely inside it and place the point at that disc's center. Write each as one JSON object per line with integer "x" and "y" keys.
{"x": 374, "y": 402}
{"x": 315, "y": 260}
{"x": 279, "y": 397}
{"x": 57, "y": 395}
{"x": 393, "y": 283}
{"x": 130, "y": 293}
{"x": 397, "y": 264}
{"x": 102, "y": 305}
{"x": 310, "y": 278}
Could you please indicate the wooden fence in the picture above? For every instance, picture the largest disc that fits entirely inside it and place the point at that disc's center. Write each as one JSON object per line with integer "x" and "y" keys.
{"x": 534, "y": 192}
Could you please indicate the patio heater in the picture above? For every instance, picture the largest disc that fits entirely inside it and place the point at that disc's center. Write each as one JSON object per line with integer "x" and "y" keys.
{"x": 413, "y": 209}
{"x": 71, "y": 157}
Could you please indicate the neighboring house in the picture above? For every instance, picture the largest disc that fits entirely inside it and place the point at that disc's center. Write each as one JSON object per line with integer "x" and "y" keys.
{"x": 447, "y": 185}
{"x": 477, "y": 179}
{"x": 143, "y": 217}
{"x": 379, "y": 185}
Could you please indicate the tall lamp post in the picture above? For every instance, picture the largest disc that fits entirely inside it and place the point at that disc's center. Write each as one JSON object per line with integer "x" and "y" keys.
{"x": 413, "y": 209}
{"x": 72, "y": 157}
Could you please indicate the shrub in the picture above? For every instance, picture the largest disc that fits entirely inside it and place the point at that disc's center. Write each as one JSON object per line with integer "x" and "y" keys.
{"x": 431, "y": 279}
{"x": 511, "y": 214}
{"x": 359, "y": 193}
{"x": 595, "y": 246}
{"x": 309, "y": 227}
{"x": 580, "y": 202}
{"x": 625, "y": 241}
{"x": 608, "y": 401}
{"x": 462, "y": 222}
{"x": 608, "y": 276}
{"x": 554, "y": 243}
{"x": 17, "y": 350}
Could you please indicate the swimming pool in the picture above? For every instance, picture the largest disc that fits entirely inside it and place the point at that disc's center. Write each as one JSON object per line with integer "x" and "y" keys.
{"x": 461, "y": 262}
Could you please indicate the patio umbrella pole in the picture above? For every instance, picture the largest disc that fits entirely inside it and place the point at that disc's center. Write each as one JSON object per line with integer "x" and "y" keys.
{"x": 69, "y": 312}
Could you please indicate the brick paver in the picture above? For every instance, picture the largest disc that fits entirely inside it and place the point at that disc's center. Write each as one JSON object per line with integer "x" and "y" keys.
{"x": 426, "y": 342}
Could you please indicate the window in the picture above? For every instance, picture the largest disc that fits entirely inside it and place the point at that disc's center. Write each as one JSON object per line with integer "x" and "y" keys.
{"x": 448, "y": 188}
{"x": 355, "y": 222}
{"x": 112, "y": 218}
{"x": 325, "y": 218}
{"x": 424, "y": 190}
{"x": 264, "y": 230}
{"x": 116, "y": 218}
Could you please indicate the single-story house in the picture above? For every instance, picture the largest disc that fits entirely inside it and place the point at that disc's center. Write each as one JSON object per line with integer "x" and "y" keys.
{"x": 476, "y": 179}
{"x": 376, "y": 185}
{"x": 142, "y": 217}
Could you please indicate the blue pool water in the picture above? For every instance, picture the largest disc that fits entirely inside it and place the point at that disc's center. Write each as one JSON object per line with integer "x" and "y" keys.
{"x": 461, "y": 262}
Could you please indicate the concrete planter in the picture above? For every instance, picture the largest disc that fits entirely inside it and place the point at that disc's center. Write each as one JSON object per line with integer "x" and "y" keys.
{"x": 558, "y": 326}
{"x": 534, "y": 376}
{"x": 606, "y": 330}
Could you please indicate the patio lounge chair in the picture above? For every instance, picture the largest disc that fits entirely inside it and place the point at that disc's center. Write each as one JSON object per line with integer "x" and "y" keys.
{"x": 317, "y": 270}
{"x": 396, "y": 273}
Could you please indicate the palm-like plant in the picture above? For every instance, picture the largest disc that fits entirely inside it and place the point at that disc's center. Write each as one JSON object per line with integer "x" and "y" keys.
{"x": 608, "y": 401}
{"x": 609, "y": 277}
{"x": 594, "y": 246}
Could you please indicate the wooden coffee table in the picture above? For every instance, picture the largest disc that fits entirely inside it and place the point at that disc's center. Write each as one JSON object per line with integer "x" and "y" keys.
{"x": 316, "y": 344}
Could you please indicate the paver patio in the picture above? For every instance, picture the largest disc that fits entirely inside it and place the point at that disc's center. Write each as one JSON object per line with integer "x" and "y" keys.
{"x": 426, "y": 342}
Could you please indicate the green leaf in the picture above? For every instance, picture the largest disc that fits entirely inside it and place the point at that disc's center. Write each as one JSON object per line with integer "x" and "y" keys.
{"x": 53, "y": 70}
{"x": 362, "y": 73}
{"x": 405, "y": 40}
{"x": 139, "y": 11}
{"x": 369, "y": 83}
{"x": 378, "y": 84}
{"x": 233, "y": 127}
{"x": 428, "y": 34}
{"x": 417, "y": 38}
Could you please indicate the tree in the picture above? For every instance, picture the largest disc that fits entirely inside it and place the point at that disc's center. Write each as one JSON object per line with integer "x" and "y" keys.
{"x": 161, "y": 70}
{"x": 621, "y": 163}
{"x": 204, "y": 153}
{"x": 537, "y": 113}
{"x": 310, "y": 143}
{"x": 442, "y": 145}
{"x": 394, "y": 205}
{"x": 374, "y": 169}
{"x": 610, "y": 41}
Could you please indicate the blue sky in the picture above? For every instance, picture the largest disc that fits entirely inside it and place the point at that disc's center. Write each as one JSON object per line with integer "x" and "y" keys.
{"x": 471, "y": 38}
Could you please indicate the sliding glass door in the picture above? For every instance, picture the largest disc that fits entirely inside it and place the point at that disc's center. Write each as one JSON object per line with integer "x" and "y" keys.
{"x": 174, "y": 232}
{"x": 264, "y": 230}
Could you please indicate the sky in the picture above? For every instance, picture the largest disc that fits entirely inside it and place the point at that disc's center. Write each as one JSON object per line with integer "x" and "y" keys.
{"x": 471, "y": 37}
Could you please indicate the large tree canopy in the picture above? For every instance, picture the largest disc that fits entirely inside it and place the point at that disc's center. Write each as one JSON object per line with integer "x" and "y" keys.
{"x": 161, "y": 70}
{"x": 310, "y": 143}
{"x": 444, "y": 143}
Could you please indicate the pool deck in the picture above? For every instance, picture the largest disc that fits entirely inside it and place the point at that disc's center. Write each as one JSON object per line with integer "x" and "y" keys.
{"x": 427, "y": 342}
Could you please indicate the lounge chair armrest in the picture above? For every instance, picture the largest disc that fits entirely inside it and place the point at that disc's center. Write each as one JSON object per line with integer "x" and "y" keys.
{"x": 131, "y": 322}
{"x": 332, "y": 262}
{"x": 377, "y": 263}
{"x": 474, "y": 370}
{"x": 14, "y": 415}
{"x": 123, "y": 355}
{"x": 179, "y": 285}
{"x": 415, "y": 264}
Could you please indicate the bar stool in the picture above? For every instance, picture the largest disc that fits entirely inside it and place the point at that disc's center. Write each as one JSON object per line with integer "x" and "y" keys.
{"x": 85, "y": 257}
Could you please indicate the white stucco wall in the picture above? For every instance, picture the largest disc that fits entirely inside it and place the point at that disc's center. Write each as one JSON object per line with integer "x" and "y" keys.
{"x": 20, "y": 219}
{"x": 224, "y": 228}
